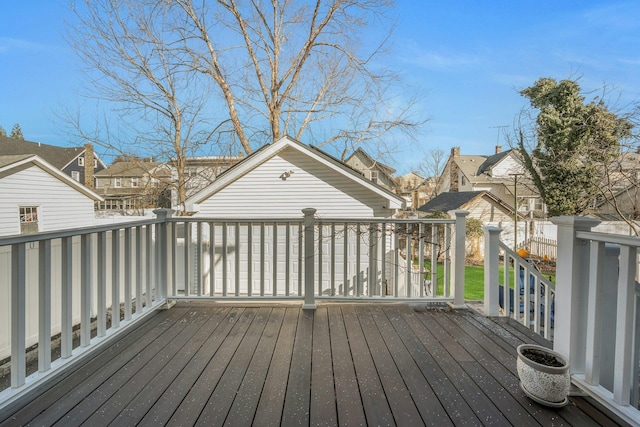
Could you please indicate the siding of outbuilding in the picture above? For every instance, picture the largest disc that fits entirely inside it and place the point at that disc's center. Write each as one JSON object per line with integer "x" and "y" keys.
{"x": 59, "y": 206}
{"x": 265, "y": 192}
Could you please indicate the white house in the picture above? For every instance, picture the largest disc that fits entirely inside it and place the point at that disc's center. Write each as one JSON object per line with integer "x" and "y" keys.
{"x": 35, "y": 196}
{"x": 282, "y": 178}
{"x": 277, "y": 182}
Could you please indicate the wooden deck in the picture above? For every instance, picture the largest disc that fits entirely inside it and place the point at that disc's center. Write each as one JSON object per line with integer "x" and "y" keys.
{"x": 360, "y": 364}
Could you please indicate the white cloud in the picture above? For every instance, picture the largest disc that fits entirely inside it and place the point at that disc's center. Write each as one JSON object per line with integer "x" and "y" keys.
{"x": 8, "y": 44}
{"x": 439, "y": 60}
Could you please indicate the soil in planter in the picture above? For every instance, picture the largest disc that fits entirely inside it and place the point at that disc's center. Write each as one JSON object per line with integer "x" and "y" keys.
{"x": 542, "y": 358}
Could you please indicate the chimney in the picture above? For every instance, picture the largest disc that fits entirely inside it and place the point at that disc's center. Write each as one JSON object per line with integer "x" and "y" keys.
{"x": 498, "y": 149}
{"x": 455, "y": 152}
{"x": 88, "y": 165}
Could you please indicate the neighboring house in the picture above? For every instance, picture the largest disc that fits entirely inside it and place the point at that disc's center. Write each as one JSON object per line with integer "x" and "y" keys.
{"x": 131, "y": 186}
{"x": 35, "y": 196}
{"x": 278, "y": 181}
{"x": 482, "y": 205}
{"x": 372, "y": 169}
{"x": 200, "y": 172}
{"x": 282, "y": 178}
{"x": 80, "y": 163}
{"x": 414, "y": 189}
{"x": 498, "y": 174}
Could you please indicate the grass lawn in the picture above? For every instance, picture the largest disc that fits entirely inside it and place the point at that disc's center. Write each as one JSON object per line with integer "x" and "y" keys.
{"x": 474, "y": 280}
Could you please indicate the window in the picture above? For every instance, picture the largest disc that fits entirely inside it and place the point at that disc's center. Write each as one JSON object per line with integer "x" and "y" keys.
{"x": 75, "y": 175}
{"x": 117, "y": 182}
{"x": 374, "y": 176}
{"x": 28, "y": 219}
{"x": 95, "y": 163}
{"x": 135, "y": 181}
{"x": 80, "y": 161}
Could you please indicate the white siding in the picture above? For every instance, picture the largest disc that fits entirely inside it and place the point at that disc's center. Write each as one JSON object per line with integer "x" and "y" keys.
{"x": 263, "y": 192}
{"x": 505, "y": 167}
{"x": 59, "y": 205}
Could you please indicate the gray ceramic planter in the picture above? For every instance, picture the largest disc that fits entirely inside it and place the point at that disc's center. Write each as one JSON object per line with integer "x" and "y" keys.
{"x": 548, "y": 385}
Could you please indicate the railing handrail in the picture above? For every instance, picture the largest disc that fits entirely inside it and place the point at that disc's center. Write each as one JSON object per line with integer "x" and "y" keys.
{"x": 531, "y": 267}
{"x": 72, "y": 232}
{"x": 618, "y": 239}
{"x": 317, "y": 220}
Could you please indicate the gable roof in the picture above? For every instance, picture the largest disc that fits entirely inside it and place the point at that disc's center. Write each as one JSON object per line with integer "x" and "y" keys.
{"x": 386, "y": 169}
{"x": 491, "y": 161}
{"x": 58, "y": 157}
{"x": 133, "y": 169}
{"x": 454, "y": 200}
{"x": 449, "y": 201}
{"x": 13, "y": 164}
{"x": 270, "y": 150}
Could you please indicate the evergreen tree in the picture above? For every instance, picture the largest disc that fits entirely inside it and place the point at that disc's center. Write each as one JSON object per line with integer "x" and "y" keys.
{"x": 3, "y": 132}
{"x": 16, "y": 132}
{"x": 573, "y": 139}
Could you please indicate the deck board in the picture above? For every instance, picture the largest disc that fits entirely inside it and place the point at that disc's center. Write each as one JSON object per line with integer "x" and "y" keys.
{"x": 323, "y": 397}
{"x": 269, "y": 364}
{"x": 248, "y": 395}
{"x": 64, "y": 395}
{"x": 350, "y": 411}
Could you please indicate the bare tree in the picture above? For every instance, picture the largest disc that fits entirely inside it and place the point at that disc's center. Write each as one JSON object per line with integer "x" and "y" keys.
{"x": 128, "y": 47}
{"x": 295, "y": 67}
{"x": 431, "y": 167}
{"x": 619, "y": 192}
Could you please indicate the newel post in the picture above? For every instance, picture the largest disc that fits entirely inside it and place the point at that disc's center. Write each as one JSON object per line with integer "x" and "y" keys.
{"x": 572, "y": 290}
{"x": 459, "y": 251}
{"x": 309, "y": 289}
{"x": 491, "y": 263}
{"x": 163, "y": 243}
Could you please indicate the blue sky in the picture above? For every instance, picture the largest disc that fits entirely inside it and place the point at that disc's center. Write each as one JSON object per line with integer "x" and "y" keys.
{"x": 469, "y": 58}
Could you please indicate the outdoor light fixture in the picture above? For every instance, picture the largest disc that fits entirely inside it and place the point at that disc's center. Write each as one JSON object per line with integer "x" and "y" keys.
{"x": 286, "y": 174}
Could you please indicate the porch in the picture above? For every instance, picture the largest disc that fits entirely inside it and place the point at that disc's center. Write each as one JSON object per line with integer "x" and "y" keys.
{"x": 211, "y": 363}
{"x": 95, "y": 297}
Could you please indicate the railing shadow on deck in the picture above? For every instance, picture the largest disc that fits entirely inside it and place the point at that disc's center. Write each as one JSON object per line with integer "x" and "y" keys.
{"x": 594, "y": 315}
{"x": 100, "y": 281}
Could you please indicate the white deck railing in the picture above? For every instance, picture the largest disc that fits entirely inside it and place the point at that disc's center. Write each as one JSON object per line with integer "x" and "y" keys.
{"x": 73, "y": 289}
{"x": 596, "y": 325}
{"x": 528, "y": 297}
{"x": 88, "y": 285}
{"x": 345, "y": 259}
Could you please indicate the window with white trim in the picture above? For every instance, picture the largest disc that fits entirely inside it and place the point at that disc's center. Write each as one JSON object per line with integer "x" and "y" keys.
{"x": 374, "y": 176}
{"x": 28, "y": 219}
{"x": 80, "y": 161}
{"x": 117, "y": 182}
{"x": 135, "y": 182}
{"x": 75, "y": 175}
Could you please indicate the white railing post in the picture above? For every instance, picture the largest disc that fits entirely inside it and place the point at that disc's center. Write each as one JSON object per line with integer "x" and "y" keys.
{"x": 18, "y": 314}
{"x": 309, "y": 291}
{"x": 571, "y": 290}
{"x": 457, "y": 277}
{"x": 162, "y": 244}
{"x": 491, "y": 275}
